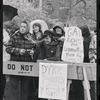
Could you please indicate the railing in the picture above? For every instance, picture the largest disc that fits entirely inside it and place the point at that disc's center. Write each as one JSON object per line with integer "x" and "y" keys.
{"x": 75, "y": 71}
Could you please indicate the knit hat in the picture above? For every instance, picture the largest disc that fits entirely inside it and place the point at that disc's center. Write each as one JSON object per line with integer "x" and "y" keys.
{"x": 48, "y": 32}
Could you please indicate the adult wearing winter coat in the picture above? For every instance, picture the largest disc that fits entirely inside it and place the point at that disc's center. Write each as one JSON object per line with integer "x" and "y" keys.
{"x": 93, "y": 59}
{"x": 93, "y": 49}
{"x": 37, "y": 32}
{"x": 36, "y": 36}
{"x": 86, "y": 42}
{"x": 77, "y": 85}
{"x": 51, "y": 49}
{"x": 20, "y": 49}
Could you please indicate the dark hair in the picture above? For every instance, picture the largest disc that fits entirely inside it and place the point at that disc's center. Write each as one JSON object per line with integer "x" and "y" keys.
{"x": 49, "y": 33}
{"x": 37, "y": 24}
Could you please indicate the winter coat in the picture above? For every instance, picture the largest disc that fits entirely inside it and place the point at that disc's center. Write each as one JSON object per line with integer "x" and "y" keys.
{"x": 18, "y": 42}
{"x": 51, "y": 51}
{"x": 86, "y": 42}
{"x": 92, "y": 49}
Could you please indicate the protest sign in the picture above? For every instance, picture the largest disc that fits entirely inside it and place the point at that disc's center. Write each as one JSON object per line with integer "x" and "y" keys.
{"x": 20, "y": 68}
{"x": 53, "y": 80}
{"x": 73, "y": 45}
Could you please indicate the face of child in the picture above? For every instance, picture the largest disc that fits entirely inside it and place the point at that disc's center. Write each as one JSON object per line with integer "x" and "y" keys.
{"x": 35, "y": 29}
{"x": 47, "y": 40}
{"x": 23, "y": 28}
{"x": 58, "y": 30}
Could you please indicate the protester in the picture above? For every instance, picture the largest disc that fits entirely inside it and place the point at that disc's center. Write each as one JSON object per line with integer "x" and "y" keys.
{"x": 20, "y": 49}
{"x": 86, "y": 41}
{"x": 59, "y": 31}
{"x": 51, "y": 49}
{"x": 37, "y": 38}
{"x": 77, "y": 85}
{"x": 37, "y": 32}
{"x": 93, "y": 59}
{"x": 93, "y": 50}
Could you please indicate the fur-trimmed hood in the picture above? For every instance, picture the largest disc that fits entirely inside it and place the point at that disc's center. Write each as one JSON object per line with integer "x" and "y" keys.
{"x": 59, "y": 24}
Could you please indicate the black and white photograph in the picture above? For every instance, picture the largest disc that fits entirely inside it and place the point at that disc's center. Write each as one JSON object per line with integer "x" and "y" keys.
{"x": 49, "y": 50}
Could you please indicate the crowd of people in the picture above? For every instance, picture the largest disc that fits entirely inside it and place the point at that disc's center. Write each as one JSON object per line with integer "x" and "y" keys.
{"x": 24, "y": 46}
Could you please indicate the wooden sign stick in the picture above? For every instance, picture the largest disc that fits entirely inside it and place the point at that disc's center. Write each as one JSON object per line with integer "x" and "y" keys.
{"x": 86, "y": 84}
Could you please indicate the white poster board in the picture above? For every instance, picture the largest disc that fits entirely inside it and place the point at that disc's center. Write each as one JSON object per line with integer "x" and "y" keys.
{"x": 53, "y": 81}
{"x": 73, "y": 45}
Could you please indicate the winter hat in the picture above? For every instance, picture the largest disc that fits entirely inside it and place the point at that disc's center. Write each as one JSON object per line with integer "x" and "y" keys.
{"x": 48, "y": 32}
{"x": 37, "y": 24}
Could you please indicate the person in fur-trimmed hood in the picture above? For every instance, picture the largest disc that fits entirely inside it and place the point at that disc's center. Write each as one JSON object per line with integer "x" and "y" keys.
{"x": 59, "y": 31}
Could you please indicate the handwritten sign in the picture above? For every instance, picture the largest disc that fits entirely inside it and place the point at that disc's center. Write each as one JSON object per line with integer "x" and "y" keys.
{"x": 73, "y": 45}
{"x": 20, "y": 68}
{"x": 52, "y": 80}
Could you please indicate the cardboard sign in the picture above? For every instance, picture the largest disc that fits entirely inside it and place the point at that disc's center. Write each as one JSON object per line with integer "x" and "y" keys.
{"x": 73, "y": 45}
{"x": 20, "y": 68}
{"x": 53, "y": 80}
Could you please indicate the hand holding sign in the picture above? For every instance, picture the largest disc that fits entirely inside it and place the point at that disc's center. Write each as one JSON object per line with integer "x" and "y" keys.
{"x": 22, "y": 51}
{"x": 73, "y": 45}
{"x": 31, "y": 53}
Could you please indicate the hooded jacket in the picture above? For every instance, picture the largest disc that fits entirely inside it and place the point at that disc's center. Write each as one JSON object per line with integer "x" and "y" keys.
{"x": 60, "y": 25}
{"x": 86, "y": 42}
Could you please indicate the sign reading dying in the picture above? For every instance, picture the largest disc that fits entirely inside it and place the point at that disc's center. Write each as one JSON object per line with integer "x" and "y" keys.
{"x": 52, "y": 80}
